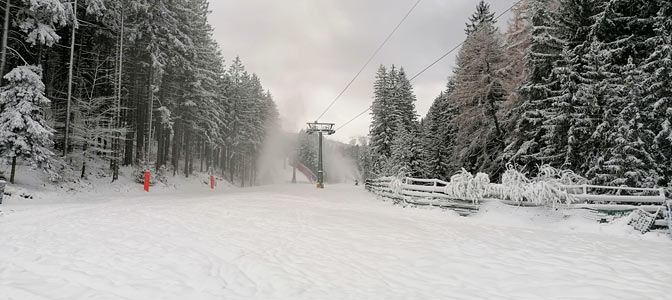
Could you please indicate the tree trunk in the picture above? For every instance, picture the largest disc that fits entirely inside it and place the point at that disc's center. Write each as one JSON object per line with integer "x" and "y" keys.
{"x": 72, "y": 60}
{"x": 222, "y": 161}
{"x": 13, "y": 172}
{"x": 117, "y": 135}
{"x": 254, "y": 173}
{"x": 166, "y": 147}
{"x": 216, "y": 158}
{"x": 5, "y": 33}
{"x": 140, "y": 120}
{"x": 158, "y": 134}
{"x": 243, "y": 171}
{"x": 187, "y": 153}
{"x": 208, "y": 158}
{"x": 176, "y": 149}
{"x": 201, "y": 153}
{"x": 150, "y": 111}
{"x": 231, "y": 169}
{"x": 191, "y": 163}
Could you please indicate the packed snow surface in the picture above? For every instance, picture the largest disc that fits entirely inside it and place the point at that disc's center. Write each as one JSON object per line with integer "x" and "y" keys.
{"x": 296, "y": 242}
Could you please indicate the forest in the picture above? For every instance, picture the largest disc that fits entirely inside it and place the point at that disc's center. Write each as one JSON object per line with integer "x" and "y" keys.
{"x": 582, "y": 85}
{"x": 126, "y": 83}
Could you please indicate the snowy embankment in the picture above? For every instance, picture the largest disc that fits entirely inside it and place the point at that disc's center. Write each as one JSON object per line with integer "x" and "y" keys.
{"x": 296, "y": 242}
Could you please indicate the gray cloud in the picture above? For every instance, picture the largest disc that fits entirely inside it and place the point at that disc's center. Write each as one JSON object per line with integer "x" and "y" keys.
{"x": 306, "y": 51}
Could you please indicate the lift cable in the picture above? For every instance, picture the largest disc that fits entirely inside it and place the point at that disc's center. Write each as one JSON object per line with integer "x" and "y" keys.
{"x": 369, "y": 60}
{"x": 429, "y": 66}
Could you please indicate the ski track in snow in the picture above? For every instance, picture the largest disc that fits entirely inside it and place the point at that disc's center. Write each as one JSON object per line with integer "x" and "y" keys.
{"x": 295, "y": 242}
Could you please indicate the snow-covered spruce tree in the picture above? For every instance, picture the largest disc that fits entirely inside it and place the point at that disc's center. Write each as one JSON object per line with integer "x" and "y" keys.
{"x": 407, "y": 154}
{"x": 572, "y": 120}
{"x": 657, "y": 103}
{"x": 393, "y": 110}
{"x": 236, "y": 94}
{"x": 556, "y": 99}
{"x": 206, "y": 119}
{"x": 482, "y": 15}
{"x": 569, "y": 125}
{"x": 439, "y": 136}
{"x": 383, "y": 125}
{"x": 620, "y": 34}
{"x": 308, "y": 151}
{"x": 602, "y": 104}
{"x": 24, "y": 133}
{"x": 430, "y": 128}
{"x": 404, "y": 101}
{"x": 525, "y": 142}
{"x": 39, "y": 20}
{"x": 365, "y": 160}
{"x": 254, "y": 126}
{"x": 479, "y": 93}
{"x": 624, "y": 157}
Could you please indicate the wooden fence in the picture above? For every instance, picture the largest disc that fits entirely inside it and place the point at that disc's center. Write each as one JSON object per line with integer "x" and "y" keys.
{"x": 604, "y": 203}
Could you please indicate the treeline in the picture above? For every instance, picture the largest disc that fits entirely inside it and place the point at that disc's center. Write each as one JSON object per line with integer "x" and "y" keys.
{"x": 584, "y": 85}
{"x": 139, "y": 83}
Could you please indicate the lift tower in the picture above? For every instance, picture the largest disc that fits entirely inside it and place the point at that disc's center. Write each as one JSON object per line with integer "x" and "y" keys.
{"x": 321, "y": 129}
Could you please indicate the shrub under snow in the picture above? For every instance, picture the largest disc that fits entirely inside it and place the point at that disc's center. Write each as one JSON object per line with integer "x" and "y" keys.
{"x": 464, "y": 185}
{"x": 547, "y": 188}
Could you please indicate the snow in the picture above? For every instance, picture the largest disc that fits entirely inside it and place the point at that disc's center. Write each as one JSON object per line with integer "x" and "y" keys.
{"x": 297, "y": 242}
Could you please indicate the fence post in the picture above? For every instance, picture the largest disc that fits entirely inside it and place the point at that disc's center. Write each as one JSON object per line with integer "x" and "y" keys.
{"x": 431, "y": 203}
{"x": 147, "y": 181}
{"x": 2, "y": 189}
{"x": 401, "y": 190}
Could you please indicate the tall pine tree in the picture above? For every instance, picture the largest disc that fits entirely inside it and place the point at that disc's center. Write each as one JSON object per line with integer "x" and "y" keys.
{"x": 24, "y": 132}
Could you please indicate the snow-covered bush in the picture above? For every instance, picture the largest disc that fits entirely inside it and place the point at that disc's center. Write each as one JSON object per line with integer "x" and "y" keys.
{"x": 162, "y": 174}
{"x": 397, "y": 183}
{"x": 139, "y": 174}
{"x": 566, "y": 177}
{"x": 547, "y": 188}
{"x": 550, "y": 193}
{"x": 464, "y": 185}
{"x": 514, "y": 185}
{"x": 459, "y": 184}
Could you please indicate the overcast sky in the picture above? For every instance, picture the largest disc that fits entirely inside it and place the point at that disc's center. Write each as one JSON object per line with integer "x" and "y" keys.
{"x": 306, "y": 51}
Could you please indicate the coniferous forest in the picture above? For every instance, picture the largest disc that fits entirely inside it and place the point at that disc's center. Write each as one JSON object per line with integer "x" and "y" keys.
{"x": 584, "y": 85}
{"x": 541, "y": 170}
{"x": 131, "y": 83}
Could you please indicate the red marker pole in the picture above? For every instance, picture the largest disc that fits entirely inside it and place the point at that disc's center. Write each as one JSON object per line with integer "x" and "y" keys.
{"x": 146, "y": 181}
{"x": 212, "y": 182}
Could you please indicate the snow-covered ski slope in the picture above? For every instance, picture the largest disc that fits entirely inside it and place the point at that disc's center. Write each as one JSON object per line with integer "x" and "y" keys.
{"x": 296, "y": 242}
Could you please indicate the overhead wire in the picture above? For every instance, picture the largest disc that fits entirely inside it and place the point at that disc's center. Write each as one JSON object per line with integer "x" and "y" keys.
{"x": 429, "y": 66}
{"x": 369, "y": 60}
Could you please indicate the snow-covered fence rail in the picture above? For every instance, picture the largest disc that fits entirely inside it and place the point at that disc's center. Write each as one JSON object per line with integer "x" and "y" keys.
{"x": 610, "y": 201}
{"x": 420, "y": 192}
{"x": 464, "y": 194}
{"x": 598, "y": 194}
